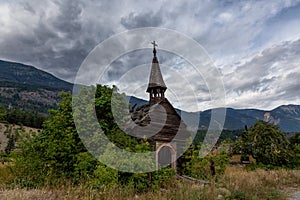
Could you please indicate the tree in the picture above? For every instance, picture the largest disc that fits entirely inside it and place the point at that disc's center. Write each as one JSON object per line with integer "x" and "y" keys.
{"x": 243, "y": 145}
{"x": 10, "y": 144}
{"x": 266, "y": 143}
{"x": 110, "y": 107}
{"x": 3, "y": 113}
{"x": 58, "y": 154}
{"x": 295, "y": 145}
{"x": 295, "y": 140}
{"x": 55, "y": 152}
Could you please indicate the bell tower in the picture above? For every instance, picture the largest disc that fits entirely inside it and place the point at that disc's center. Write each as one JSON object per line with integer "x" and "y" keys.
{"x": 169, "y": 133}
{"x": 156, "y": 87}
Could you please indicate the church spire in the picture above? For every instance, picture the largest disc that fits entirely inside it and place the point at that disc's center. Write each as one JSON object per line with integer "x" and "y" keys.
{"x": 156, "y": 87}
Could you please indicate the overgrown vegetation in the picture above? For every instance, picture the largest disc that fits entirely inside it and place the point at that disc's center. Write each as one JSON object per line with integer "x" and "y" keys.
{"x": 268, "y": 146}
{"x": 236, "y": 183}
{"x": 201, "y": 168}
{"x": 56, "y": 160}
{"x": 57, "y": 154}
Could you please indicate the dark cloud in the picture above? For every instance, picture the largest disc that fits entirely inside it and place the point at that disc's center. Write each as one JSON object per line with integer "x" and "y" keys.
{"x": 127, "y": 62}
{"x": 56, "y": 36}
{"x": 68, "y": 21}
{"x": 57, "y": 43}
{"x": 135, "y": 20}
{"x": 29, "y": 8}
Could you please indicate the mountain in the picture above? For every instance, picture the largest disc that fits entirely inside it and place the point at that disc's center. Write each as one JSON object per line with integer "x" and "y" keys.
{"x": 286, "y": 116}
{"x": 29, "y": 75}
{"x": 28, "y": 88}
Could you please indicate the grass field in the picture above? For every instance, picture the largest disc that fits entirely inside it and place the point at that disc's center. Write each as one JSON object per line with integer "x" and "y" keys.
{"x": 236, "y": 183}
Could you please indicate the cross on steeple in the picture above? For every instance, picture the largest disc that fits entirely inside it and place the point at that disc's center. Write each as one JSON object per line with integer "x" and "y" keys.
{"x": 154, "y": 45}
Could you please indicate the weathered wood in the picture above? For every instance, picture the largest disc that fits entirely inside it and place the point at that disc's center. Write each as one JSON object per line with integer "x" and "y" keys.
{"x": 163, "y": 118}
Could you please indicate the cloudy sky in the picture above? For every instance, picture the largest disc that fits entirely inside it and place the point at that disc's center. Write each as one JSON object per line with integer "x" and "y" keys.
{"x": 255, "y": 45}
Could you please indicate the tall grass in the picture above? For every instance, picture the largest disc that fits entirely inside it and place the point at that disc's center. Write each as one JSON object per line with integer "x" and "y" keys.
{"x": 7, "y": 175}
{"x": 260, "y": 184}
{"x": 236, "y": 183}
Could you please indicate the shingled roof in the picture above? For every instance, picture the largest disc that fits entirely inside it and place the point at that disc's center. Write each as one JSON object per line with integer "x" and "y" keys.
{"x": 156, "y": 79}
{"x": 159, "y": 121}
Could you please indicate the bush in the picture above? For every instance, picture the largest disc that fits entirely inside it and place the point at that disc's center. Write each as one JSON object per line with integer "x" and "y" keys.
{"x": 237, "y": 195}
{"x": 52, "y": 155}
{"x": 200, "y": 168}
{"x": 104, "y": 177}
{"x": 162, "y": 178}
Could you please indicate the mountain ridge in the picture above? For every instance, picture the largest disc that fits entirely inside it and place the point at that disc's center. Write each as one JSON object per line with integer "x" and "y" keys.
{"x": 287, "y": 116}
{"x": 27, "y": 74}
{"x": 28, "y": 88}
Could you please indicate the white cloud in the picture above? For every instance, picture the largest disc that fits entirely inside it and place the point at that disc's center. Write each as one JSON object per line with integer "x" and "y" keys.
{"x": 269, "y": 79}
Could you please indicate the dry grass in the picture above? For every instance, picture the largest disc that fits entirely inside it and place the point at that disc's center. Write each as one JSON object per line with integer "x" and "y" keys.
{"x": 17, "y": 194}
{"x": 237, "y": 183}
{"x": 6, "y": 175}
{"x": 181, "y": 191}
{"x": 261, "y": 184}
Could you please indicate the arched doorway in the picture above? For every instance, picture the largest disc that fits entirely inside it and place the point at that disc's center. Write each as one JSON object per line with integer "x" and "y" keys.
{"x": 165, "y": 156}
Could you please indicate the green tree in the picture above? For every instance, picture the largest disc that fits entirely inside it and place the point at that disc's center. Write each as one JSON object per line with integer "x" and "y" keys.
{"x": 54, "y": 153}
{"x": 58, "y": 154}
{"x": 295, "y": 145}
{"x": 110, "y": 106}
{"x": 3, "y": 114}
{"x": 243, "y": 145}
{"x": 266, "y": 143}
{"x": 10, "y": 144}
{"x": 295, "y": 140}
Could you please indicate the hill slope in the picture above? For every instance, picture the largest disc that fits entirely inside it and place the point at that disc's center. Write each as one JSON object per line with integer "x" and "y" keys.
{"x": 8, "y": 129}
{"x": 29, "y": 75}
{"x": 27, "y": 88}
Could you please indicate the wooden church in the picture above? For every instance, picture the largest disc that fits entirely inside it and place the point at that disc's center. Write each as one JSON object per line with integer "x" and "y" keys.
{"x": 158, "y": 121}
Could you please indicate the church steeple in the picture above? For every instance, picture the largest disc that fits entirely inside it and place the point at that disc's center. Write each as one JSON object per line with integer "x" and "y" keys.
{"x": 156, "y": 87}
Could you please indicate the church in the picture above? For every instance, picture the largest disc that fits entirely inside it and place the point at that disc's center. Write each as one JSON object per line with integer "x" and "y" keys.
{"x": 159, "y": 122}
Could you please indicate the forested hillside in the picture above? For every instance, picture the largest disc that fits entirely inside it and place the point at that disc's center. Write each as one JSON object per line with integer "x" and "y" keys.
{"x": 27, "y": 88}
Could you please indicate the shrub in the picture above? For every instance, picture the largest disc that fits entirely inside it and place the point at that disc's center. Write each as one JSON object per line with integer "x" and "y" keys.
{"x": 200, "y": 168}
